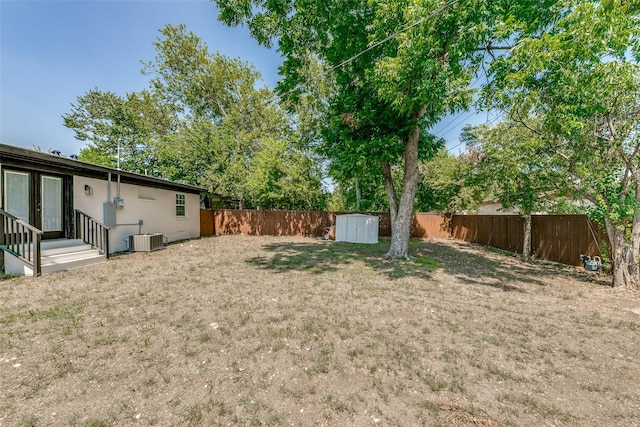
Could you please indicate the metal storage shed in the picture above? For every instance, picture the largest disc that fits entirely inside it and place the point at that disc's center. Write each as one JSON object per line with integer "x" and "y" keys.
{"x": 357, "y": 228}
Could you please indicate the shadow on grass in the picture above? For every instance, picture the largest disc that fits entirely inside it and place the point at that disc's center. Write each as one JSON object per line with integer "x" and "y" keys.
{"x": 499, "y": 269}
{"x": 321, "y": 256}
{"x": 470, "y": 266}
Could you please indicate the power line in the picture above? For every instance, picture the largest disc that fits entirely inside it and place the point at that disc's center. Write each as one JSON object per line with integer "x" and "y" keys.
{"x": 454, "y": 123}
{"x": 455, "y": 146}
{"x": 445, "y": 130}
{"x": 499, "y": 116}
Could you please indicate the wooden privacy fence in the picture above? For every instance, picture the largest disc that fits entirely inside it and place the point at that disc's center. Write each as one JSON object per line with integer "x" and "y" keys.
{"x": 271, "y": 223}
{"x": 559, "y": 238}
{"x": 306, "y": 223}
{"x": 566, "y": 237}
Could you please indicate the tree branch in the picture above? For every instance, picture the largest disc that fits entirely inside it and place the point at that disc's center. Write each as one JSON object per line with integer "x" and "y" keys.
{"x": 552, "y": 147}
{"x": 490, "y": 47}
{"x": 610, "y": 125}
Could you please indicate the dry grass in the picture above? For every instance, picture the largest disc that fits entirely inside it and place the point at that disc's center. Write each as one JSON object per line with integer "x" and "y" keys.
{"x": 239, "y": 330}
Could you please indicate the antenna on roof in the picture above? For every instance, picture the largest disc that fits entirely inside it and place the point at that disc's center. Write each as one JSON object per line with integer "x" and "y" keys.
{"x": 119, "y": 142}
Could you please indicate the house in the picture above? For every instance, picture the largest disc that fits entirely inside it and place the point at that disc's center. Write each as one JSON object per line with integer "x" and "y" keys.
{"x": 491, "y": 207}
{"x": 59, "y": 213}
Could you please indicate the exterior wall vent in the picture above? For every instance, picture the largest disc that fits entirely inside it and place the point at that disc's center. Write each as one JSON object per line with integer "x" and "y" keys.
{"x": 146, "y": 242}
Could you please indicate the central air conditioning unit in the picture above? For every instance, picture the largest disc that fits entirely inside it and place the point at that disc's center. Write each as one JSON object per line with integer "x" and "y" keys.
{"x": 146, "y": 242}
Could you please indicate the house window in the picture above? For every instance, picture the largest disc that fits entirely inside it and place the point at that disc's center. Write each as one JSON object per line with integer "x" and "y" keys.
{"x": 181, "y": 205}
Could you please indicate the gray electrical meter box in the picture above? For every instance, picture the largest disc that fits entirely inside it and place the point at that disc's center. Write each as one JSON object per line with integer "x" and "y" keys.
{"x": 109, "y": 214}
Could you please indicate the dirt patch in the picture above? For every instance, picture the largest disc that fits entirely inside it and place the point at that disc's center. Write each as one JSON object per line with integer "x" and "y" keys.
{"x": 238, "y": 330}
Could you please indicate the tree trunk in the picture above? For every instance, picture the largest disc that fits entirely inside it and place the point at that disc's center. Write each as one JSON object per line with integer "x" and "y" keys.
{"x": 526, "y": 247}
{"x": 635, "y": 234}
{"x": 358, "y": 195}
{"x": 391, "y": 192}
{"x": 401, "y": 226}
{"x": 624, "y": 256}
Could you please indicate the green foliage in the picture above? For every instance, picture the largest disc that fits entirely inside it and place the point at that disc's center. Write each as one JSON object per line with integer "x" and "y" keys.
{"x": 396, "y": 68}
{"x": 574, "y": 83}
{"x": 119, "y": 126}
{"x": 513, "y": 164}
{"x": 579, "y": 81}
{"x": 204, "y": 120}
{"x": 605, "y": 252}
{"x": 445, "y": 184}
{"x": 372, "y": 195}
{"x": 279, "y": 177}
{"x": 204, "y": 84}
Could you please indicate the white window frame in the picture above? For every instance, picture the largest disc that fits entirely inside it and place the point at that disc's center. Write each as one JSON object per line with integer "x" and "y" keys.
{"x": 181, "y": 204}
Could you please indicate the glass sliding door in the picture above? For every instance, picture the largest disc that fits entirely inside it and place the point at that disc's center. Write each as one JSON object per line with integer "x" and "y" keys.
{"x": 17, "y": 194}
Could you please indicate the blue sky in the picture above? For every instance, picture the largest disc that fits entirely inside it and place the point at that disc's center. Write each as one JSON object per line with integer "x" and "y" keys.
{"x": 53, "y": 51}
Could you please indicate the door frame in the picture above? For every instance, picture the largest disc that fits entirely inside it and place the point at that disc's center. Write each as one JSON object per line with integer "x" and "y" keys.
{"x": 35, "y": 199}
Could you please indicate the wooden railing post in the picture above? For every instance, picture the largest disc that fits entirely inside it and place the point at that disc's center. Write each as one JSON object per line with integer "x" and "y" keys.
{"x": 22, "y": 240}
{"x": 37, "y": 261}
{"x": 2, "y": 228}
{"x": 92, "y": 232}
{"x": 105, "y": 239}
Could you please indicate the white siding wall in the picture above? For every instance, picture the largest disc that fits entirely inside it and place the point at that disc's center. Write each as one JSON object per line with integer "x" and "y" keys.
{"x": 155, "y": 207}
{"x": 14, "y": 265}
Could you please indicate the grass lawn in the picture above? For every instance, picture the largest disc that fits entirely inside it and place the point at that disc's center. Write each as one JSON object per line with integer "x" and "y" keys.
{"x": 239, "y": 330}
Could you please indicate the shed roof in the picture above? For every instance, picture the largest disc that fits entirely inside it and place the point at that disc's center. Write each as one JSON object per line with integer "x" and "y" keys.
{"x": 358, "y": 215}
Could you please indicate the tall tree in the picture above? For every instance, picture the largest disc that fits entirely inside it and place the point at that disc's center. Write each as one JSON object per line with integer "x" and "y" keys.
{"x": 362, "y": 191}
{"x": 282, "y": 176}
{"x": 515, "y": 166}
{"x": 579, "y": 79}
{"x": 120, "y": 129}
{"x": 398, "y": 67}
{"x": 205, "y": 120}
{"x": 366, "y": 114}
